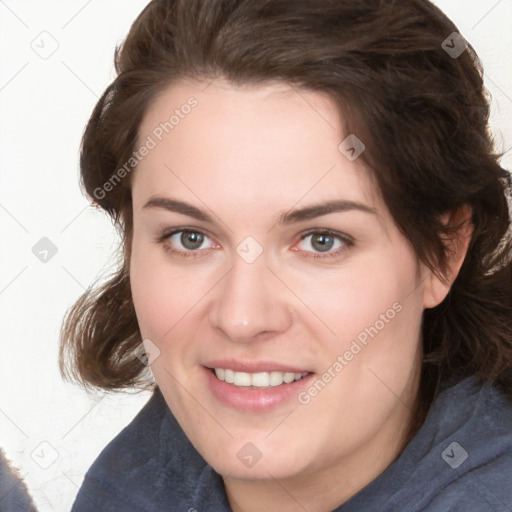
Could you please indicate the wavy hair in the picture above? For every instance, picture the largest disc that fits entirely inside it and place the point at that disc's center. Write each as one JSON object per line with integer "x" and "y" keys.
{"x": 421, "y": 111}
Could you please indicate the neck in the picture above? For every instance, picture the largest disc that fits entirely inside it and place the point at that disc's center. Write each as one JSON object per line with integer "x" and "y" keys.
{"x": 326, "y": 489}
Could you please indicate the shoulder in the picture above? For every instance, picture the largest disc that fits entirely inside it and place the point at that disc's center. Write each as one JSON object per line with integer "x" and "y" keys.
{"x": 146, "y": 464}
{"x": 466, "y": 450}
{"x": 475, "y": 411}
{"x": 13, "y": 492}
{"x": 473, "y": 424}
{"x": 460, "y": 459}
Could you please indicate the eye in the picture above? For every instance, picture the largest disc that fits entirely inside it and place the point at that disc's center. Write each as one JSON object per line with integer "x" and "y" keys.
{"x": 324, "y": 241}
{"x": 189, "y": 243}
{"x": 184, "y": 242}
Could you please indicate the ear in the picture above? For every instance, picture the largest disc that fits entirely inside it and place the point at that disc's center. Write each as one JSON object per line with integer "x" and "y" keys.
{"x": 435, "y": 289}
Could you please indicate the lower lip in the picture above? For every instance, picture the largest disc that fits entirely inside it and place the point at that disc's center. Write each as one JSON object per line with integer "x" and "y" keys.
{"x": 251, "y": 399}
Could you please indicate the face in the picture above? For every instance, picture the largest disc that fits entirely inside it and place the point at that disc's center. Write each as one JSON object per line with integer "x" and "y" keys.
{"x": 311, "y": 316}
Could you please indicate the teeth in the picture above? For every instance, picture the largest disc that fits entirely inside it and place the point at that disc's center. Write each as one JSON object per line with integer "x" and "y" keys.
{"x": 259, "y": 380}
{"x": 276, "y": 378}
{"x": 289, "y": 377}
{"x": 242, "y": 379}
{"x": 229, "y": 376}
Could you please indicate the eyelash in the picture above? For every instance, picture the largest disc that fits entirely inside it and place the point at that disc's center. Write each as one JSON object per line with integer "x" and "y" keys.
{"x": 347, "y": 242}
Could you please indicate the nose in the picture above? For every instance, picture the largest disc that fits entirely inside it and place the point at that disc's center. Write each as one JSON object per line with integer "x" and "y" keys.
{"x": 251, "y": 303}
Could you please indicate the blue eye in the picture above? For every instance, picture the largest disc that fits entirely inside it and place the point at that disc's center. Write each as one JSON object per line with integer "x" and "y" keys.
{"x": 323, "y": 241}
{"x": 192, "y": 240}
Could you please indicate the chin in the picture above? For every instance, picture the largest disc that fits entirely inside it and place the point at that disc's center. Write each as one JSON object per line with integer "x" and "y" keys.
{"x": 256, "y": 460}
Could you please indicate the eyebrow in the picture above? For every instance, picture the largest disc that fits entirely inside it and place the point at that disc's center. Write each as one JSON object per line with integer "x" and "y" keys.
{"x": 290, "y": 217}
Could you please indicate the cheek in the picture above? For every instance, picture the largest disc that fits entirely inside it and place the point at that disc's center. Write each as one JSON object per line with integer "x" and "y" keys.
{"x": 371, "y": 297}
{"x": 158, "y": 296}
{"x": 380, "y": 337}
{"x": 375, "y": 312}
{"x": 163, "y": 293}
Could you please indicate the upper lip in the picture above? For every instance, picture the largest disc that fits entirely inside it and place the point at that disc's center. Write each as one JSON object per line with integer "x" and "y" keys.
{"x": 254, "y": 366}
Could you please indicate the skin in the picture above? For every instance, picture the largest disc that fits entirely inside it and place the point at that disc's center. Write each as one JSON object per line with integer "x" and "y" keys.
{"x": 246, "y": 155}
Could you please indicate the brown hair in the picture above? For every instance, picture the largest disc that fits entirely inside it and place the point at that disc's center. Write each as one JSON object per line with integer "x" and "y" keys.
{"x": 421, "y": 112}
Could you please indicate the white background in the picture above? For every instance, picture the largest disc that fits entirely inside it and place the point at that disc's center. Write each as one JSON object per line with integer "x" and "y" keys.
{"x": 44, "y": 105}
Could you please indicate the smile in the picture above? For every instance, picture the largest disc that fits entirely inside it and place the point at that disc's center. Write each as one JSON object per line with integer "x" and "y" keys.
{"x": 257, "y": 380}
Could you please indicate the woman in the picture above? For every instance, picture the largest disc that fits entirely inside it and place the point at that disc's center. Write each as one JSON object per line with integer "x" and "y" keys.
{"x": 316, "y": 263}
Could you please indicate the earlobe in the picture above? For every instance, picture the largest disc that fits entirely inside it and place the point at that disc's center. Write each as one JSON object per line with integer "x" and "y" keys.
{"x": 435, "y": 288}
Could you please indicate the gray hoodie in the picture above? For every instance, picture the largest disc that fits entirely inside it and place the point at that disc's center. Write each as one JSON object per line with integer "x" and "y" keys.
{"x": 459, "y": 461}
{"x": 14, "y": 496}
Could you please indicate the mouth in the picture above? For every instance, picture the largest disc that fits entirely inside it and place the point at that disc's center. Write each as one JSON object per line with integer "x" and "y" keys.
{"x": 257, "y": 380}
{"x": 255, "y": 386}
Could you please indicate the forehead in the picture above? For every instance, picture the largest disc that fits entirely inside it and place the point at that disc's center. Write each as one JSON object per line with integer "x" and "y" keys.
{"x": 271, "y": 142}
